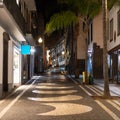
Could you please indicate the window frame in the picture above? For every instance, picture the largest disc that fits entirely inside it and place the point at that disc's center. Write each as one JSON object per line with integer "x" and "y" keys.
{"x": 118, "y": 23}
{"x": 111, "y": 30}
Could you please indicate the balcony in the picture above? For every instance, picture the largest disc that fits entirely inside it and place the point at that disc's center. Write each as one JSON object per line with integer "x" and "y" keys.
{"x": 16, "y": 13}
{"x": 12, "y": 20}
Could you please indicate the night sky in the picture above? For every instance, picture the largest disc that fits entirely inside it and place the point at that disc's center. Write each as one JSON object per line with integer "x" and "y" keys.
{"x": 47, "y": 7}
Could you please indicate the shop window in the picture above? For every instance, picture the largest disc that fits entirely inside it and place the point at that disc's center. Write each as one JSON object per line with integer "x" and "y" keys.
{"x": 118, "y": 22}
{"x": 111, "y": 30}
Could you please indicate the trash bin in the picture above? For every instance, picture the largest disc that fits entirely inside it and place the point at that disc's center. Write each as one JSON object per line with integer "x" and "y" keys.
{"x": 85, "y": 77}
{"x": 91, "y": 80}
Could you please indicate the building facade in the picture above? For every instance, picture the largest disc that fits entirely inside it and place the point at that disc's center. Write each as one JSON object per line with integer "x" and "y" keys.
{"x": 95, "y": 47}
{"x": 57, "y": 55}
{"x": 13, "y": 33}
{"x": 114, "y": 44}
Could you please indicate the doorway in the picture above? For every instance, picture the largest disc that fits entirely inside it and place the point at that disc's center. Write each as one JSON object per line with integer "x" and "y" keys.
{"x": 16, "y": 67}
{"x": 114, "y": 66}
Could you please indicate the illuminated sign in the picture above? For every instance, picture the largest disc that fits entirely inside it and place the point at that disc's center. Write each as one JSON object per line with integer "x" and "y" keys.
{"x": 25, "y": 49}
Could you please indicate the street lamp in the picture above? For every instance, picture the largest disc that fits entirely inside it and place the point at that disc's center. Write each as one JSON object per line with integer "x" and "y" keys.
{"x": 63, "y": 52}
{"x": 40, "y": 40}
{"x": 41, "y": 45}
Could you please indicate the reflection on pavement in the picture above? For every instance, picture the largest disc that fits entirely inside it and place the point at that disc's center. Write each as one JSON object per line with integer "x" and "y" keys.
{"x": 54, "y": 92}
{"x": 63, "y": 96}
{"x": 51, "y": 87}
{"x": 60, "y": 98}
{"x": 67, "y": 109}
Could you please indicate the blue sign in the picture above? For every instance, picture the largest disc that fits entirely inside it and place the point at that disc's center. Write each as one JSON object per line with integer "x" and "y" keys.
{"x": 25, "y": 49}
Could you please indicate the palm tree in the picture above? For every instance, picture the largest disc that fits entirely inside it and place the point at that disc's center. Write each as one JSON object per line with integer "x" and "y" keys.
{"x": 84, "y": 9}
{"x": 75, "y": 10}
{"x": 105, "y": 6}
{"x": 105, "y": 65}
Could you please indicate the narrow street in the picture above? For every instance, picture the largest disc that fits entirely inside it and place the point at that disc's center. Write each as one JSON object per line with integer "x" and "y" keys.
{"x": 53, "y": 97}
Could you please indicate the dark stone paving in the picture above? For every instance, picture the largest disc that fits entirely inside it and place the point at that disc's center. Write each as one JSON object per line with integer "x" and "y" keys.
{"x": 53, "y": 97}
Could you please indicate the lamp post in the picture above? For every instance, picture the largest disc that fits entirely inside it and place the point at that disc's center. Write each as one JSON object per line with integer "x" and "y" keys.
{"x": 41, "y": 41}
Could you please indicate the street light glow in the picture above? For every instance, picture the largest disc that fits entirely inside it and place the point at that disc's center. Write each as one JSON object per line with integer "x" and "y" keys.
{"x": 63, "y": 52}
{"x": 40, "y": 40}
{"x": 32, "y": 49}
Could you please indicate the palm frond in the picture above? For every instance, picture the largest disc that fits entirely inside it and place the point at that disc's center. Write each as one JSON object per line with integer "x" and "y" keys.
{"x": 60, "y": 21}
{"x": 89, "y": 8}
{"x": 113, "y": 2}
{"x": 94, "y": 9}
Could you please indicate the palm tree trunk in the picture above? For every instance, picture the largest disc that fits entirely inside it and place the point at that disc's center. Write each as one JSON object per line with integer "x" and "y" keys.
{"x": 86, "y": 52}
{"x": 105, "y": 37}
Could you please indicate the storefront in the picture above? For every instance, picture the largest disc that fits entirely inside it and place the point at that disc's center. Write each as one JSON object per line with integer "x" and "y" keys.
{"x": 16, "y": 67}
{"x": 114, "y": 66}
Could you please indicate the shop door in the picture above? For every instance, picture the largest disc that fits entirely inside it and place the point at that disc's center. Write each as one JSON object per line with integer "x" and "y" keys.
{"x": 16, "y": 67}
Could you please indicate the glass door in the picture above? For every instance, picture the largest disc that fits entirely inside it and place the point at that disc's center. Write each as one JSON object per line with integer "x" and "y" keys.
{"x": 16, "y": 67}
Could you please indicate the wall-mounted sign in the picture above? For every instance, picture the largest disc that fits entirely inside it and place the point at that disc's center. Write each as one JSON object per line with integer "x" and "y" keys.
{"x": 25, "y": 49}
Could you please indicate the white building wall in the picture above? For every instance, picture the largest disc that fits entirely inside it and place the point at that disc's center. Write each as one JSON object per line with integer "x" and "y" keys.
{"x": 11, "y": 45}
{"x": 14, "y": 44}
{"x": 1, "y": 60}
{"x": 98, "y": 30}
{"x": 81, "y": 47}
{"x": 81, "y": 43}
{"x": 113, "y": 14}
